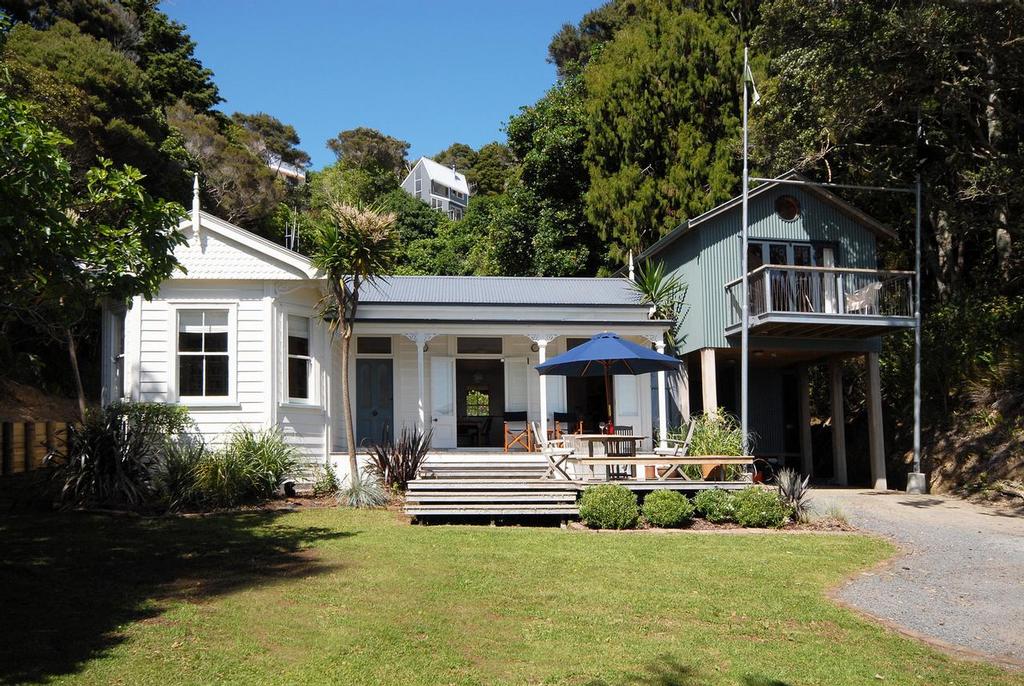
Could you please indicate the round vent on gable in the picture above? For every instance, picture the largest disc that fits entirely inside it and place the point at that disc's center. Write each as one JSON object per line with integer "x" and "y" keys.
{"x": 787, "y": 207}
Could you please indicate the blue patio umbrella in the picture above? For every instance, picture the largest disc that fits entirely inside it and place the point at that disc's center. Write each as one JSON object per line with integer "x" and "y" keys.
{"x": 608, "y": 354}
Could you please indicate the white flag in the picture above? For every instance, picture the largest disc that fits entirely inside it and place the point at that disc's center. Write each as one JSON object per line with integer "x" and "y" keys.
{"x": 748, "y": 77}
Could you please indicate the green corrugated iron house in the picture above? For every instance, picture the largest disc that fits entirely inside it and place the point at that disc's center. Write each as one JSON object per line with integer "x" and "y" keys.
{"x": 816, "y": 295}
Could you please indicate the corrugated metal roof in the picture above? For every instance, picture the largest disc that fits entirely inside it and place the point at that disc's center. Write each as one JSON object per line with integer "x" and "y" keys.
{"x": 501, "y": 290}
{"x": 445, "y": 175}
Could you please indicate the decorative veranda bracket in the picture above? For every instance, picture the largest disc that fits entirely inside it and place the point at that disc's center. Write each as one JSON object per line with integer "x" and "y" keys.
{"x": 420, "y": 338}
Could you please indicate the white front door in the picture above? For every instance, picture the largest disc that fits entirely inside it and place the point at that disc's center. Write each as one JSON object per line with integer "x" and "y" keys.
{"x": 442, "y": 401}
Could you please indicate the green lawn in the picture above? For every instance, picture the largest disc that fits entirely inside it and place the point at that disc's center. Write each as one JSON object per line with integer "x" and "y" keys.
{"x": 334, "y": 596}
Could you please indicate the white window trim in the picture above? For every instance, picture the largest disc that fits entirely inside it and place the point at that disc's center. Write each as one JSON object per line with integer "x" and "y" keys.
{"x": 112, "y": 318}
{"x": 312, "y": 370}
{"x": 220, "y": 401}
{"x": 319, "y": 348}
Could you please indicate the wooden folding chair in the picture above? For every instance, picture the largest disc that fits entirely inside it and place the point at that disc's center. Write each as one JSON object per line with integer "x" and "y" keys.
{"x": 519, "y": 434}
{"x": 555, "y": 451}
{"x": 676, "y": 448}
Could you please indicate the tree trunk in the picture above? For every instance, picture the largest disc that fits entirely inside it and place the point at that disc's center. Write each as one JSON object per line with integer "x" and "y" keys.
{"x": 346, "y": 404}
{"x": 1003, "y": 239}
{"x": 73, "y": 355}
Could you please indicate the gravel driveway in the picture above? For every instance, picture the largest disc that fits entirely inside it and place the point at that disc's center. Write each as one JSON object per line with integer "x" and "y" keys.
{"x": 960, "y": 579}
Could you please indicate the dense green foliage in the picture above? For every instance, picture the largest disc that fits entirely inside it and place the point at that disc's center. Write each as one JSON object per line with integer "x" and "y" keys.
{"x": 715, "y": 505}
{"x": 67, "y": 248}
{"x": 609, "y": 506}
{"x": 760, "y": 507}
{"x": 662, "y": 111}
{"x": 251, "y": 467}
{"x": 147, "y": 456}
{"x": 715, "y": 433}
{"x": 667, "y": 509}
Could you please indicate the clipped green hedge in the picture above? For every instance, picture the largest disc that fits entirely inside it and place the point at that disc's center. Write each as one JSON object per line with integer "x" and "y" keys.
{"x": 716, "y": 505}
{"x": 760, "y": 507}
{"x": 609, "y": 506}
{"x": 667, "y": 509}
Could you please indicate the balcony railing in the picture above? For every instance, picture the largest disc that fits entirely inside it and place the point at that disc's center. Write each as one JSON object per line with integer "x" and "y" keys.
{"x": 828, "y": 291}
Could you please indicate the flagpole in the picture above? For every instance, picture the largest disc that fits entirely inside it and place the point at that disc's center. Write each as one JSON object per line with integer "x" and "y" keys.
{"x": 744, "y": 334}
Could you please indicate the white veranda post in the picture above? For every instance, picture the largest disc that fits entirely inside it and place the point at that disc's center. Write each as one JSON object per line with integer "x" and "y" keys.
{"x": 420, "y": 340}
{"x": 542, "y": 346}
{"x": 662, "y": 401}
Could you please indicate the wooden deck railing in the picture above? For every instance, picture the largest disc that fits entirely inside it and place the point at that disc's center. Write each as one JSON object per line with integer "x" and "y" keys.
{"x": 822, "y": 290}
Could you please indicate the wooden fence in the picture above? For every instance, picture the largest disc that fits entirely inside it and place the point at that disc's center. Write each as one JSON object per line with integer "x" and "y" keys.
{"x": 24, "y": 445}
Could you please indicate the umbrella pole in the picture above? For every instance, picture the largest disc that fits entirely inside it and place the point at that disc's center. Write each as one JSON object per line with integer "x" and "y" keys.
{"x": 608, "y": 397}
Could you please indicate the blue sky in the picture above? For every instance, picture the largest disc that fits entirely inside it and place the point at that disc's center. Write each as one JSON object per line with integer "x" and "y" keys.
{"x": 431, "y": 73}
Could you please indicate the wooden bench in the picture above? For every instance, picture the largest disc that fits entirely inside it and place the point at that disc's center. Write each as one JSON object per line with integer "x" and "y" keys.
{"x": 674, "y": 464}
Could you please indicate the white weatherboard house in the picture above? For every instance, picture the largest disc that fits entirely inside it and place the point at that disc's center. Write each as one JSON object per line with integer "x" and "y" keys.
{"x": 236, "y": 339}
{"x": 443, "y": 188}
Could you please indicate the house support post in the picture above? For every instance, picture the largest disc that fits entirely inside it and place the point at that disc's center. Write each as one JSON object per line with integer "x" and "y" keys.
{"x": 806, "y": 451}
{"x": 542, "y": 348}
{"x": 876, "y": 438}
{"x": 662, "y": 401}
{"x": 835, "y": 368}
{"x": 708, "y": 379}
{"x": 684, "y": 390}
{"x": 420, "y": 340}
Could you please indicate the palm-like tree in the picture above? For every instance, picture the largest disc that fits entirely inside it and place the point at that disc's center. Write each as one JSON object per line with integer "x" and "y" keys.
{"x": 353, "y": 247}
{"x": 666, "y": 293}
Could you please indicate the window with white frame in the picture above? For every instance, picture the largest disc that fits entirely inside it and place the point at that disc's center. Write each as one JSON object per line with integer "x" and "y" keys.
{"x": 117, "y": 356}
{"x": 419, "y": 187}
{"x": 300, "y": 364}
{"x": 204, "y": 362}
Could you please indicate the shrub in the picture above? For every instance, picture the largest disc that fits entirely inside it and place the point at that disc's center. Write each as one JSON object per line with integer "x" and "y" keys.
{"x": 667, "y": 509}
{"x": 609, "y": 506}
{"x": 761, "y": 507}
{"x": 107, "y": 460}
{"x": 395, "y": 465}
{"x": 175, "y": 473}
{"x": 168, "y": 420}
{"x": 794, "y": 492}
{"x": 716, "y": 505}
{"x": 364, "y": 493}
{"x": 325, "y": 481}
{"x": 268, "y": 459}
{"x": 252, "y": 466}
{"x": 223, "y": 478}
{"x": 716, "y": 433}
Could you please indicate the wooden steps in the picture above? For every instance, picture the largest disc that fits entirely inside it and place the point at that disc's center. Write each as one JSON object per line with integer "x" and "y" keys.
{"x": 482, "y": 470}
{"x": 464, "y": 497}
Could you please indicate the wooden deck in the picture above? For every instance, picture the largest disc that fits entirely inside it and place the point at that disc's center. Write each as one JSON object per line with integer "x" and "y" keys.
{"x": 484, "y": 486}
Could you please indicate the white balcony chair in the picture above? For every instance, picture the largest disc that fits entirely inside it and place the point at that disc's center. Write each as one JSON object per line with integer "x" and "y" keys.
{"x": 864, "y": 300}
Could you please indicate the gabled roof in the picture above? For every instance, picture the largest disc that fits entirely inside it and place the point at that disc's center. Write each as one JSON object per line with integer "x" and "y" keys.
{"x": 293, "y": 262}
{"x": 501, "y": 290}
{"x": 445, "y": 176}
{"x": 846, "y": 208}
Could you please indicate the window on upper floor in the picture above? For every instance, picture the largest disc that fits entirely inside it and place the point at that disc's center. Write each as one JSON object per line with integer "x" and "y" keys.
{"x": 300, "y": 363}
{"x": 204, "y": 361}
{"x": 787, "y": 207}
{"x": 438, "y": 189}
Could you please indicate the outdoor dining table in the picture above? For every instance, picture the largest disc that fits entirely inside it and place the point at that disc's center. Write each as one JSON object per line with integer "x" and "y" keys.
{"x": 592, "y": 439}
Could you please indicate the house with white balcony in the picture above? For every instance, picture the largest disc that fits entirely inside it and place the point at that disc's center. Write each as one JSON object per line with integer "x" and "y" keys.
{"x": 445, "y": 189}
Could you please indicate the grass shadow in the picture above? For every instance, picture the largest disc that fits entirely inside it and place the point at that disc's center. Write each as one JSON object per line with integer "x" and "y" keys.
{"x": 667, "y": 670}
{"x": 69, "y": 582}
